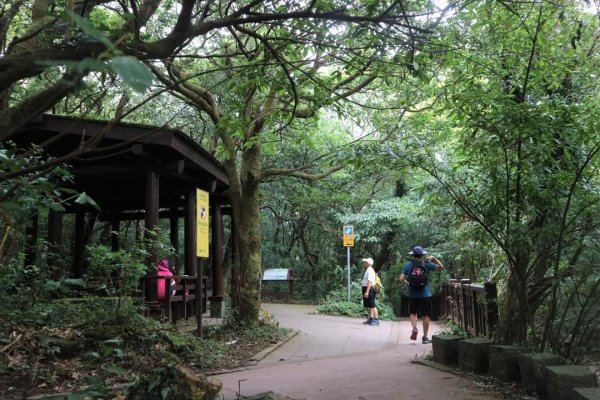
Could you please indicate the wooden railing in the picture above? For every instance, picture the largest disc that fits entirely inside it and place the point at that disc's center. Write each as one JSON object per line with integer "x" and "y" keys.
{"x": 474, "y": 308}
{"x": 182, "y": 300}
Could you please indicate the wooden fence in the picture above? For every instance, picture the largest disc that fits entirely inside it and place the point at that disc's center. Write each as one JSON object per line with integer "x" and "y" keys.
{"x": 473, "y": 307}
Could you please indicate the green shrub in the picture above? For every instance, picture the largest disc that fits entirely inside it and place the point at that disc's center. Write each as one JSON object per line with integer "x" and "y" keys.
{"x": 452, "y": 328}
{"x": 115, "y": 273}
{"x": 336, "y": 303}
{"x": 204, "y": 353}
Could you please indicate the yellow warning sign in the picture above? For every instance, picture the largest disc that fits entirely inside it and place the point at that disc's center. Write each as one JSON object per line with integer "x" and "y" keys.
{"x": 348, "y": 236}
{"x": 202, "y": 223}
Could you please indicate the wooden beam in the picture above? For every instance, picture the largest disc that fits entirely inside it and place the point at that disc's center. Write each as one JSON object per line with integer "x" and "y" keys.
{"x": 191, "y": 260}
{"x": 136, "y": 170}
{"x": 139, "y": 215}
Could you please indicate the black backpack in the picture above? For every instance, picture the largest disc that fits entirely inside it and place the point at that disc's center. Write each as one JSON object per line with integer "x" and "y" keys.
{"x": 418, "y": 277}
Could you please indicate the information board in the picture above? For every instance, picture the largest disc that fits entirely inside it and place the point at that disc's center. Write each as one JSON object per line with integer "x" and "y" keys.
{"x": 277, "y": 274}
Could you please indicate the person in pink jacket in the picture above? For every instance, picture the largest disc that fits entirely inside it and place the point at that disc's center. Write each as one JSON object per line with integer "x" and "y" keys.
{"x": 163, "y": 270}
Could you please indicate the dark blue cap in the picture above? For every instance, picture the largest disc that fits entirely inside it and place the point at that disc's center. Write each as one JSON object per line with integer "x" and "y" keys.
{"x": 417, "y": 251}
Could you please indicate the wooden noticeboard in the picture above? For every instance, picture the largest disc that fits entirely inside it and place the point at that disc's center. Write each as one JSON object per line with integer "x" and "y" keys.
{"x": 279, "y": 274}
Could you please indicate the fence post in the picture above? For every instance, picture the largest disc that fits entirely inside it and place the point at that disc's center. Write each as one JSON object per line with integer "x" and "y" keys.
{"x": 491, "y": 307}
{"x": 168, "y": 312}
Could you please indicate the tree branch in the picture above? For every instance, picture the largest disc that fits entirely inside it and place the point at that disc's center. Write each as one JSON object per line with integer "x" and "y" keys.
{"x": 15, "y": 117}
{"x": 297, "y": 173}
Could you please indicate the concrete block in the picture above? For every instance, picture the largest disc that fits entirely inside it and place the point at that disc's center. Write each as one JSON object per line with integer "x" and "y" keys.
{"x": 586, "y": 394}
{"x": 504, "y": 362}
{"x": 561, "y": 380}
{"x": 445, "y": 349}
{"x": 531, "y": 364}
{"x": 473, "y": 355}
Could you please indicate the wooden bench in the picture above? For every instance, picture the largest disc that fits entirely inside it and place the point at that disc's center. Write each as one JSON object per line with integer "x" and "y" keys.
{"x": 182, "y": 300}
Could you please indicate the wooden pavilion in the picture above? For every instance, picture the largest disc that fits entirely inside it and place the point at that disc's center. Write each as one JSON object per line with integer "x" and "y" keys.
{"x": 134, "y": 172}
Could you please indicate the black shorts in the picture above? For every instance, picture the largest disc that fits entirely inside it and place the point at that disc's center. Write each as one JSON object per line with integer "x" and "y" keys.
{"x": 420, "y": 306}
{"x": 368, "y": 302}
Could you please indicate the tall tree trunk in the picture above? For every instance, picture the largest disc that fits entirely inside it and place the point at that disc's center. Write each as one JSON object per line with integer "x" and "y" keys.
{"x": 248, "y": 306}
{"x": 244, "y": 187}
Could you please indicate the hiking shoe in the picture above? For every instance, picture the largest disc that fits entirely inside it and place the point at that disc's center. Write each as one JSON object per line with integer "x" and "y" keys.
{"x": 374, "y": 322}
{"x": 368, "y": 321}
{"x": 413, "y": 335}
{"x": 426, "y": 340}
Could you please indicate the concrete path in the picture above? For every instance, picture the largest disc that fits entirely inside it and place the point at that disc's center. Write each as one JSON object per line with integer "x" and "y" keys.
{"x": 340, "y": 358}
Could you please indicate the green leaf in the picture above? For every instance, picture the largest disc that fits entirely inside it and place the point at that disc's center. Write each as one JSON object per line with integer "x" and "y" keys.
{"x": 133, "y": 72}
{"x": 115, "y": 341}
{"x": 76, "y": 282}
{"x": 52, "y": 286}
{"x": 88, "y": 28}
{"x": 91, "y": 64}
{"x": 83, "y": 198}
{"x": 56, "y": 207}
{"x": 115, "y": 369}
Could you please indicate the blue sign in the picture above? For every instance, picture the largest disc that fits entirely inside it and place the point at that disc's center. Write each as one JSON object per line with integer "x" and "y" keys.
{"x": 348, "y": 230}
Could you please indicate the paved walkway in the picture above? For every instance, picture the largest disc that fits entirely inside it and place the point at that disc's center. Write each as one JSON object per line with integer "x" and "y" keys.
{"x": 340, "y": 358}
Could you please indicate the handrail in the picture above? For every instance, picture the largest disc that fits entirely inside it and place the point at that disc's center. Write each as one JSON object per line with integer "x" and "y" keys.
{"x": 472, "y": 307}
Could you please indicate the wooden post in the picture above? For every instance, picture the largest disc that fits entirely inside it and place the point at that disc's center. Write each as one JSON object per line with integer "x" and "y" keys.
{"x": 218, "y": 285}
{"x": 79, "y": 243}
{"x": 491, "y": 307}
{"x": 55, "y": 227}
{"x": 115, "y": 245}
{"x": 191, "y": 259}
{"x": 167, "y": 282}
{"x": 31, "y": 238}
{"x": 199, "y": 296}
{"x": 174, "y": 234}
{"x": 477, "y": 297}
{"x": 151, "y": 222}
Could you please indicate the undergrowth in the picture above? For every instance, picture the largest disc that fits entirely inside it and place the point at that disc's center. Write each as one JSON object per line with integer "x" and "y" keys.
{"x": 65, "y": 344}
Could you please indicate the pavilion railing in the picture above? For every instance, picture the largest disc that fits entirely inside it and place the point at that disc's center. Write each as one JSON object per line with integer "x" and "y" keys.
{"x": 473, "y": 308}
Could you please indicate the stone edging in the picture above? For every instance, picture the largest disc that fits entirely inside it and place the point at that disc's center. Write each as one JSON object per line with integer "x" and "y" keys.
{"x": 262, "y": 354}
{"x": 436, "y": 365}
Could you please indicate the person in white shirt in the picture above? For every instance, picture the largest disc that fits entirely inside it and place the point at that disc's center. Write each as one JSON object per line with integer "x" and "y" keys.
{"x": 368, "y": 291}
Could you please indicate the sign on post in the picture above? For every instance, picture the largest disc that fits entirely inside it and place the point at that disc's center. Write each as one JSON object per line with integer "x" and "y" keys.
{"x": 202, "y": 223}
{"x": 348, "y": 237}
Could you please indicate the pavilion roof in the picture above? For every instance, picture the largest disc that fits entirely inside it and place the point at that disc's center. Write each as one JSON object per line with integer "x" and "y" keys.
{"x": 113, "y": 171}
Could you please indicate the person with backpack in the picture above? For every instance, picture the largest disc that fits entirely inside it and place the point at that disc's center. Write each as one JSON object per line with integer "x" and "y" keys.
{"x": 416, "y": 276}
{"x": 369, "y": 293}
